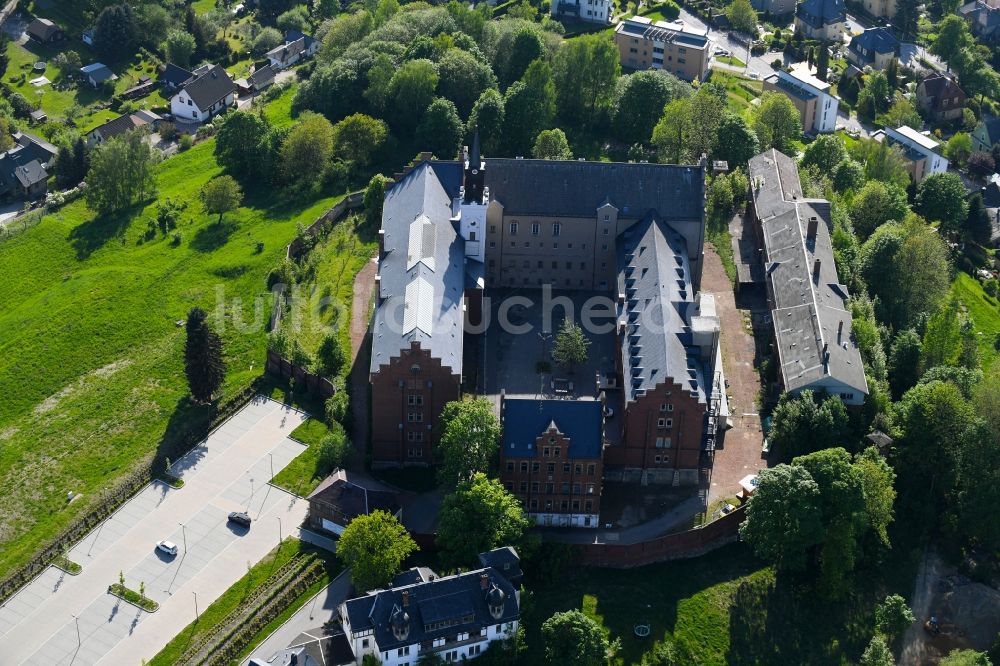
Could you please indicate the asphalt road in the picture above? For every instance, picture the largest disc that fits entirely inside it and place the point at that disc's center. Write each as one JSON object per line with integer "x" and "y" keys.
{"x": 62, "y": 619}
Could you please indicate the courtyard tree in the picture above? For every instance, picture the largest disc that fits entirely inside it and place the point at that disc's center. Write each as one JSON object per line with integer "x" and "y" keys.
{"x": 469, "y": 440}
{"x": 784, "y": 516}
{"x": 776, "y": 121}
{"x": 893, "y": 616}
{"x": 306, "y": 153}
{"x": 221, "y": 195}
{"x": 671, "y": 134}
{"x": 573, "y": 638}
{"x": 479, "y": 515}
{"x": 570, "y": 346}
{"x": 552, "y": 145}
{"x": 204, "y": 365}
{"x": 374, "y": 547}
{"x": 121, "y": 173}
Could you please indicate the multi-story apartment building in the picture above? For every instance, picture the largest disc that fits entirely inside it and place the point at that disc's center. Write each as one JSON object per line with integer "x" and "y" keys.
{"x": 920, "y": 152}
{"x": 551, "y": 458}
{"x": 821, "y": 19}
{"x": 811, "y": 96}
{"x": 594, "y": 11}
{"x": 454, "y": 618}
{"x": 941, "y": 98}
{"x": 813, "y": 334}
{"x": 674, "y": 47}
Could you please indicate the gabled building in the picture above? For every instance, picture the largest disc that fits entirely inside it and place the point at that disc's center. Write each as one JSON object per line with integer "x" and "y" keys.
{"x": 173, "y": 77}
{"x": 875, "y": 48}
{"x": 920, "y": 152}
{"x": 881, "y": 8}
{"x": 211, "y": 91}
{"x": 984, "y": 19}
{"x": 774, "y": 7}
{"x": 453, "y": 617}
{"x": 813, "y": 335}
{"x": 987, "y": 134}
{"x": 338, "y": 500}
{"x": 941, "y": 98}
{"x": 551, "y": 459}
{"x": 674, "y": 47}
{"x": 811, "y": 96}
{"x": 821, "y": 19}
{"x": 261, "y": 78}
{"x": 592, "y": 11}
{"x": 97, "y": 73}
{"x": 119, "y": 126}
{"x": 24, "y": 168}
{"x": 297, "y": 47}
{"x": 45, "y": 31}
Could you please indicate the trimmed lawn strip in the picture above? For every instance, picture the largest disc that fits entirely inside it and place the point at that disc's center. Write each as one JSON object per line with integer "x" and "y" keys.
{"x": 67, "y": 565}
{"x": 133, "y": 597}
{"x": 985, "y": 314}
{"x": 302, "y": 475}
{"x": 230, "y": 600}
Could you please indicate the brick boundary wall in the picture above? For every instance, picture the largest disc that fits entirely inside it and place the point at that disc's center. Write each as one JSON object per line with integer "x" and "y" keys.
{"x": 351, "y": 202}
{"x": 280, "y": 366}
{"x": 681, "y": 545}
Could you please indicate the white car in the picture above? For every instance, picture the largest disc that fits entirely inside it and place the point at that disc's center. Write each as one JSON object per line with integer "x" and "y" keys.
{"x": 168, "y": 547}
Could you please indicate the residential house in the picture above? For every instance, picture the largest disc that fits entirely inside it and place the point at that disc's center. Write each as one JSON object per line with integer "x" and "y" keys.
{"x": 173, "y": 77}
{"x": 810, "y": 312}
{"x": 991, "y": 202}
{"x": 984, "y": 20}
{"x": 881, "y": 8}
{"x": 811, "y": 96}
{"x": 338, "y": 500}
{"x": 210, "y": 92}
{"x": 297, "y": 47}
{"x": 38, "y": 116}
{"x": 24, "y": 168}
{"x": 452, "y": 617}
{"x": 261, "y": 79}
{"x": 45, "y": 31}
{"x": 920, "y": 152}
{"x": 875, "y": 48}
{"x": 940, "y": 98}
{"x": 551, "y": 458}
{"x": 121, "y": 125}
{"x": 822, "y": 19}
{"x": 592, "y": 11}
{"x": 97, "y": 73}
{"x": 987, "y": 134}
{"x": 774, "y": 7}
{"x": 674, "y": 47}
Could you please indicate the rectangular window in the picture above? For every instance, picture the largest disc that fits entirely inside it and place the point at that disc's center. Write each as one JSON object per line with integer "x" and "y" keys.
{"x": 556, "y": 228}
{"x": 415, "y": 399}
{"x": 534, "y": 504}
{"x": 566, "y": 468}
{"x": 656, "y": 459}
{"x": 606, "y": 231}
{"x": 415, "y": 417}
{"x": 534, "y": 486}
{"x": 590, "y": 488}
{"x": 535, "y": 466}
{"x": 578, "y": 468}
{"x": 524, "y": 465}
{"x": 564, "y": 488}
{"x": 493, "y": 228}
{"x": 510, "y": 486}
{"x": 551, "y": 468}
{"x": 564, "y": 505}
{"x": 576, "y": 489}
{"x": 557, "y": 452}
{"x": 513, "y": 228}
{"x": 546, "y": 451}
{"x": 588, "y": 506}
{"x": 534, "y": 228}
{"x": 550, "y": 488}
{"x": 524, "y": 486}
{"x": 493, "y": 243}
{"x": 510, "y": 465}
{"x": 591, "y": 468}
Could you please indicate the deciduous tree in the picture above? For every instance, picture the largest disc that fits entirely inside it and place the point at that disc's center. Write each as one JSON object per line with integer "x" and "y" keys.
{"x": 742, "y": 17}
{"x": 463, "y": 79}
{"x": 477, "y": 516}
{"x": 529, "y": 107}
{"x": 469, "y": 439}
{"x": 639, "y": 102}
{"x": 585, "y": 72}
{"x": 306, "y": 152}
{"x": 825, "y": 153}
{"x": 776, "y": 121}
{"x": 441, "y": 130}
{"x": 411, "y": 90}
{"x": 488, "y": 119}
{"x": 808, "y": 422}
{"x": 246, "y": 145}
{"x": 941, "y": 198}
{"x": 179, "y": 47}
{"x": 552, "y": 145}
{"x": 121, "y": 173}
{"x": 784, "y": 518}
{"x": 359, "y": 138}
{"x": 374, "y": 546}
{"x": 736, "y": 141}
{"x": 221, "y": 195}
{"x": 874, "y": 205}
{"x": 570, "y": 347}
{"x": 116, "y": 33}
{"x": 893, "y": 616}
{"x": 573, "y": 638}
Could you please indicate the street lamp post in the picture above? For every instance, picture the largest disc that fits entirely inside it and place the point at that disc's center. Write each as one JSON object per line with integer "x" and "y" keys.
{"x": 79, "y": 641}
{"x": 279, "y": 529}
{"x": 250, "y": 501}
{"x": 271, "y": 455}
{"x": 196, "y": 616}
{"x": 184, "y": 536}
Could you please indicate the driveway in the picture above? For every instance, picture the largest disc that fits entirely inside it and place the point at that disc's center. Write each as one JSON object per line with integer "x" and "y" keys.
{"x": 228, "y": 472}
{"x": 721, "y": 38}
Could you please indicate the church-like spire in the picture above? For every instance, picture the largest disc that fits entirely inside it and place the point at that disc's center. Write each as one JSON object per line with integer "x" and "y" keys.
{"x": 475, "y": 173}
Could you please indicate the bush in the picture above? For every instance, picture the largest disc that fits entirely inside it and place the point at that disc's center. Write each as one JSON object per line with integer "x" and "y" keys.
{"x": 168, "y": 131}
{"x": 185, "y": 142}
{"x": 991, "y": 287}
{"x": 336, "y": 407}
{"x": 330, "y": 356}
{"x": 335, "y": 449}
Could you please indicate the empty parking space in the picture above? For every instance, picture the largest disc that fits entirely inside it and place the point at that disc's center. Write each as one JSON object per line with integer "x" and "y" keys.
{"x": 228, "y": 472}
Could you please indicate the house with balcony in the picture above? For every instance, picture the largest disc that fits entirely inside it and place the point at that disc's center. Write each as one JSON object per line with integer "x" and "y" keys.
{"x": 920, "y": 152}
{"x": 811, "y": 96}
{"x": 674, "y": 47}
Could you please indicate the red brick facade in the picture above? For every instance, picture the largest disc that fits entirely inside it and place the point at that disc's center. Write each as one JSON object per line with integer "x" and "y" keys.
{"x": 662, "y": 431}
{"x": 555, "y": 488}
{"x": 408, "y": 394}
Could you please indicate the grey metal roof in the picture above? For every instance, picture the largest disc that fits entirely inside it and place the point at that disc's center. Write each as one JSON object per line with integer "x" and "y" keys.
{"x": 811, "y": 314}
{"x": 654, "y": 276}
{"x": 453, "y": 598}
{"x": 30, "y": 173}
{"x": 422, "y": 273}
{"x": 97, "y": 71}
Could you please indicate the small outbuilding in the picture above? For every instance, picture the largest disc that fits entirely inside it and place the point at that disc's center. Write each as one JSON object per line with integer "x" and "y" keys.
{"x": 45, "y": 31}
{"x": 97, "y": 73}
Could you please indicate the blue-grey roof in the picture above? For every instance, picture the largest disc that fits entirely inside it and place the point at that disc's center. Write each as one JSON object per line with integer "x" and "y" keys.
{"x": 451, "y": 599}
{"x": 525, "y": 419}
{"x": 654, "y": 276}
{"x": 785, "y": 82}
{"x": 422, "y": 273}
{"x": 818, "y": 13}
{"x": 873, "y": 40}
{"x": 811, "y": 316}
{"x": 97, "y": 71}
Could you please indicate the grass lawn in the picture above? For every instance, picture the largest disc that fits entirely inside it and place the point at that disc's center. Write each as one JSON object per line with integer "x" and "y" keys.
{"x": 736, "y": 88}
{"x": 304, "y": 473}
{"x": 985, "y": 314}
{"x": 722, "y": 608}
{"x": 91, "y": 358}
{"x": 236, "y": 595}
{"x": 717, "y": 233}
{"x": 731, "y": 60}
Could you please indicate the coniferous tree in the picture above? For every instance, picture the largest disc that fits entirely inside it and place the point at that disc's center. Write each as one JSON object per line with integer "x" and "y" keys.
{"x": 822, "y": 61}
{"x": 203, "y": 362}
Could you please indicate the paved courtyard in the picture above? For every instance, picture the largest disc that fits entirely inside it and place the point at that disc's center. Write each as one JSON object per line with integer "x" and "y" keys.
{"x": 228, "y": 472}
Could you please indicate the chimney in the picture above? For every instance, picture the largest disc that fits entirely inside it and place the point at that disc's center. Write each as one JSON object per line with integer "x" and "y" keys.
{"x": 406, "y": 598}
{"x": 381, "y": 244}
{"x": 813, "y": 225}
{"x": 816, "y": 265}
{"x": 484, "y": 581}
{"x": 840, "y": 329}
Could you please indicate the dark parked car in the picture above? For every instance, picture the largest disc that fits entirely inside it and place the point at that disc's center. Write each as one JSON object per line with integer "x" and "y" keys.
{"x": 240, "y": 518}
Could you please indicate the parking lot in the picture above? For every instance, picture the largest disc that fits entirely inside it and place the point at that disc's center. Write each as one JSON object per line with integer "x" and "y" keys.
{"x": 63, "y": 619}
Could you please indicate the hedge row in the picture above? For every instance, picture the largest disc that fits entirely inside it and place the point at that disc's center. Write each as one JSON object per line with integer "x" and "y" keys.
{"x": 109, "y": 500}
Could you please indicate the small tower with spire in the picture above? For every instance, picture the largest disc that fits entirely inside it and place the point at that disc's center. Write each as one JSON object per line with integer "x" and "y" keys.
{"x": 475, "y": 199}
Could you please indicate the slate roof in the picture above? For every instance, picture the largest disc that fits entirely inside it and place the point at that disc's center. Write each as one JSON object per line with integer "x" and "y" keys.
{"x": 288, "y": 49}
{"x": 210, "y": 87}
{"x": 422, "y": 273}
{"x": 350, "y": 499}
{"x": 295, "y": 35}
{"x": 24, "y": 164}
{"x": 261, "y": 76}
{"x": 30, "y": 173}
{"x": 42, "y": 29}
{"x": 992, "y": 126}
{"x": 873, "y": 40}
{"x": 449, "y": 599}
{"x": 811, "y": 312}
{"x": 654, "y": 276}
{"x": 525, "y": 419}
{"x": 505, "y": 560}
{"x": 938, "y": 88}
{"x": 174, "y": 76}
{"x": 817, "y": 13}
{"x": 118, "y": 126}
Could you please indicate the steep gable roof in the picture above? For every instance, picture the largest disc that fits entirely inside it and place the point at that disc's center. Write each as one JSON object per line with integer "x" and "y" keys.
{"x": 874, "y": 40}
{"x": 526, "y": 419}
{"x": 818, "y": 13}
{"x": 210, "y": 87}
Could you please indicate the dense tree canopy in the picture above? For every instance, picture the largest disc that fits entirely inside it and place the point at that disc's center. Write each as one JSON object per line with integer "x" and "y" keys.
{"x": 246, "y": 145}
{"x": 941, "y": 198}
{"x": 808, "y": 422}
{"x": 470, "y": 436}
{"x": 552, "y": 145}
{"x": 784, "y": 518}
{"x": 479, "y": 515}
{"x": 639, "y": 102}
{"x": 203, "y": 361}
{"x": 463, "y": 79}
{"x": 359, "y": 138}
{"x": 374, "y": 546}
{"x": 776, "y": 121}
{"x": 306, "y": 152}
{"x": 585, "y": 70}
{"x": 440, "y": 130}
{"x": 529, "y": 107}
{"x": 573, "y": 638}
{"x": 121, "y": 173}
